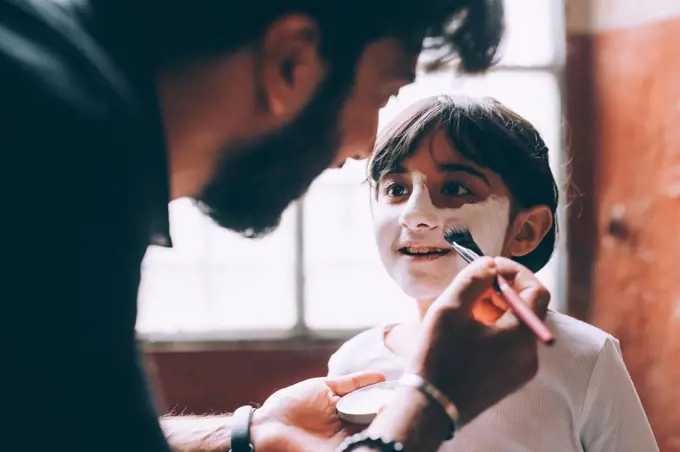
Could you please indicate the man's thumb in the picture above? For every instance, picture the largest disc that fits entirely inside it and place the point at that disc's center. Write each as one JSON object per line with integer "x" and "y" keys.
{"x": 345, "y": 384}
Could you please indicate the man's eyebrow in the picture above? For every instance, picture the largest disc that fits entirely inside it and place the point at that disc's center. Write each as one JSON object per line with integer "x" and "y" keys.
{"x": 457, "y": 167}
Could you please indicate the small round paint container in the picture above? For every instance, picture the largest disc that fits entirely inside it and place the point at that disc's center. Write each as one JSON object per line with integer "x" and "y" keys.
{"x": 363, "y": 405}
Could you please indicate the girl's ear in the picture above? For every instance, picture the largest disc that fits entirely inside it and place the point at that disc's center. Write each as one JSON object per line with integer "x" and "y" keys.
{"x": 529, "y": 228}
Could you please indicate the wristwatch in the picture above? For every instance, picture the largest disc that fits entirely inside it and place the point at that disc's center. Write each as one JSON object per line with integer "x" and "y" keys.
{"x": 240, "y": 429}
{"x": 436, "y": 396}
{"x": 366, "y": 439}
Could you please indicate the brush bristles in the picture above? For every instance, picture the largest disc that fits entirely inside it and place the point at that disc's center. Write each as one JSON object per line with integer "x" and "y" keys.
{"x": 461, "y": 235}
{"x": 458, "y": 234}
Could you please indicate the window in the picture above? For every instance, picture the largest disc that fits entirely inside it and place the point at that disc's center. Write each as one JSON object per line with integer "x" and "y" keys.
{"x": 319, "y": 273}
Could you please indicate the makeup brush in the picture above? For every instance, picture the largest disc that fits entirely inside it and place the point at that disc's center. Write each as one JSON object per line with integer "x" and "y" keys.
{"x": 462, "y": 242}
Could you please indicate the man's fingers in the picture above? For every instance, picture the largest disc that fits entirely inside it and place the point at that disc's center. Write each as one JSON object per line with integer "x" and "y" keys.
{"x": 351, "y": 429}
{"x": 538, "y": 299}
{"x": 525, "y": 283}
{"x": 348, "y": 383}
{"x": 508, "y": 267}
{"x": 486, "y": 311}
{"x": 469, "y": 285}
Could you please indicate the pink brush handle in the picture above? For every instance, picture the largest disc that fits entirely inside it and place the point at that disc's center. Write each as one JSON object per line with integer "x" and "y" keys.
{"x": 520, "y": 308}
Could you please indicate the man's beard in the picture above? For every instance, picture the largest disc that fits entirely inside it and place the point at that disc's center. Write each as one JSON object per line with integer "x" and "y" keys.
{"x": 256, "y": 182}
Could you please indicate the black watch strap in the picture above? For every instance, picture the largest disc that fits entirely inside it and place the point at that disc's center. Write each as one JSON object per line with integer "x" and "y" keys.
{"x": 366, "y": 439}
{"x": 240, "y": 429}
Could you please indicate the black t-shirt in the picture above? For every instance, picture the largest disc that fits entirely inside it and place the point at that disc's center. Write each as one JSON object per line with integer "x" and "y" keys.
{"x": 84, "y": 191}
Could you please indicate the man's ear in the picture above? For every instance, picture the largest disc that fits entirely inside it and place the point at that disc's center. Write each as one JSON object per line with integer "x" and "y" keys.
{"x": 529, "y": 228}
{"x": 290, "y": 65}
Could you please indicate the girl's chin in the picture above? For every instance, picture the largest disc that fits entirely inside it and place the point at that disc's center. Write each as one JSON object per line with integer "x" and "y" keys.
{"x": 423, "y": 285}
{"x": 486, "y": 310}
{"x": 423, "y": 293}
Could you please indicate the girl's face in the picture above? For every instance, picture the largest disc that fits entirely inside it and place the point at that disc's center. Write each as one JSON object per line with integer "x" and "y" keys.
{"x": 437, "y": 188}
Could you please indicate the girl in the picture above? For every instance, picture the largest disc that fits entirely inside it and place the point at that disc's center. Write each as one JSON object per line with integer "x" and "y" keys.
{"x": 447, "y": 162}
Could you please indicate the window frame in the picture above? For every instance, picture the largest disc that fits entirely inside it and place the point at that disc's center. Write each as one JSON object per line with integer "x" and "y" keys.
{"x": 301, "y": 333}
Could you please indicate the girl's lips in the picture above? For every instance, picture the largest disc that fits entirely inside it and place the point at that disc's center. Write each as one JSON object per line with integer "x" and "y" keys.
{"x": 424, "y": 257}
{"x": 416, "y": 248}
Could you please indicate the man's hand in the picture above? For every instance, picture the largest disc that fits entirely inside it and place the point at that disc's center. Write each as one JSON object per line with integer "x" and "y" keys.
{"x": 303, "y": 417}
{"x": 475, "y": 364}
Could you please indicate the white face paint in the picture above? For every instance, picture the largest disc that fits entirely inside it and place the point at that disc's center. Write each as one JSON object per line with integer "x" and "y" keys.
{"x": 418, "y": 222}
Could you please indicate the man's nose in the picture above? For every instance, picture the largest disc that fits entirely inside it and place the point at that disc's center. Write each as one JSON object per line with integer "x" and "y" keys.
{"x": 366, "y": 151}
{"x": 363, "y": 154}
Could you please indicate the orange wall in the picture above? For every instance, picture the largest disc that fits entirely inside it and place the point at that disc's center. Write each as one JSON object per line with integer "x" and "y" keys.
{"x": 624, "y": 102}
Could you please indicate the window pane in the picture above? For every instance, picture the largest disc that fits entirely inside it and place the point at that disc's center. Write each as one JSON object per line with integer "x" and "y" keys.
{"x": 531, "y": 35}
{"x": 252, "y": 296}
{"x": 345, "y": 285}
{"x": 251, "y": 282}
{"x": 534, "y": 34}
{"x": 172, "y": 299}
{"x": 188, "y": 230}
{"x": 215, "y": 280}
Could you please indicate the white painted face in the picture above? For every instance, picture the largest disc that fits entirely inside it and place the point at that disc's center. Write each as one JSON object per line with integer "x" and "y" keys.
{"x": 414, "y": 208}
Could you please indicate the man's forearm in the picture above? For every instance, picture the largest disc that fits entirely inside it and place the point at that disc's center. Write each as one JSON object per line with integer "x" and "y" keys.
{"x": 412, "y": 420}
{"x": 198, "y": 433}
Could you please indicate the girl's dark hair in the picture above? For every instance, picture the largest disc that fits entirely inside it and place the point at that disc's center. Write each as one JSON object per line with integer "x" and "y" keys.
{"x": 489, "y": 134}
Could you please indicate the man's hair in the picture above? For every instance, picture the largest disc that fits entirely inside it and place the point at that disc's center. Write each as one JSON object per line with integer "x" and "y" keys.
{"x": 468, "y": 31}
{"x": 489, "y": 134}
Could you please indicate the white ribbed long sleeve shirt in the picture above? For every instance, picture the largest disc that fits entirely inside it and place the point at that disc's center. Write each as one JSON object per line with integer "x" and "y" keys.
{"x": 582, "y": 398}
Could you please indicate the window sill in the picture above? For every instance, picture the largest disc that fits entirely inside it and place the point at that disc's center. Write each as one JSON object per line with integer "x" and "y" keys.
{"x": 250, "y": 339}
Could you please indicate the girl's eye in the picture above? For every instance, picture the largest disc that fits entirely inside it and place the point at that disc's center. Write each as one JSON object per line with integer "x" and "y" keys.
{"x": 394, "y": 190}
{"x": 455, "y": 189}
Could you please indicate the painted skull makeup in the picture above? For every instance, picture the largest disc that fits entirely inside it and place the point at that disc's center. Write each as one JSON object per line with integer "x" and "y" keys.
{"x": 410, "y": 237}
